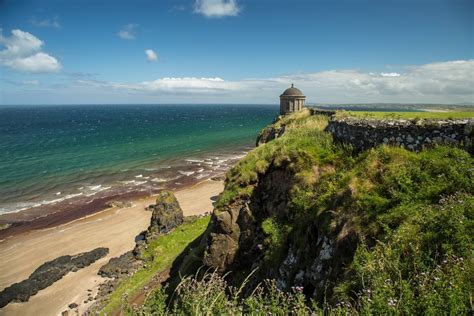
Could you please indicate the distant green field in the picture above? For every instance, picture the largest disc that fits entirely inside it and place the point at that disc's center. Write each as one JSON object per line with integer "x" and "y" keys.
{"x": 407, "y": 115}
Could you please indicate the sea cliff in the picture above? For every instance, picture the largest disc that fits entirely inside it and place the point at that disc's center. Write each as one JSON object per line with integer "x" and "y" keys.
{"x": 375, "y": 229}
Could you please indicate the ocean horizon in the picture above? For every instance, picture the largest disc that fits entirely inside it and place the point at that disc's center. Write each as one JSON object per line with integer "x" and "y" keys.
{"x": 54, "y": 156}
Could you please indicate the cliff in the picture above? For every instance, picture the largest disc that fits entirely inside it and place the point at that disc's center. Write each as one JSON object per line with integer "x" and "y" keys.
{"x": 376, "y": 230}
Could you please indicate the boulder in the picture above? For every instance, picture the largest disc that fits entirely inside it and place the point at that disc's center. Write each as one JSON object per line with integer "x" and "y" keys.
{"x": 167, "y": 214}
{"x": 47, "y": 274}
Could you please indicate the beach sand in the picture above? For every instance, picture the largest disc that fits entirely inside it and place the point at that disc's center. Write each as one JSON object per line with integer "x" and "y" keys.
{"x": 114, "y": 228}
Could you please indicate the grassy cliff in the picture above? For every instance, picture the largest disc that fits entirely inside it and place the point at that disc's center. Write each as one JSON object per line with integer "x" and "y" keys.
{"x": 305, "y": 226}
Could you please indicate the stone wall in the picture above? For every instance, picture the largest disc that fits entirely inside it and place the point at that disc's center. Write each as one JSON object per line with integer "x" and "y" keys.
{"x": 410, "y": 134}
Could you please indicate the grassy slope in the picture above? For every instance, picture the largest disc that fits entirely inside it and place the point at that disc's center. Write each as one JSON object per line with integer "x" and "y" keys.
{"x": 412, "y": 212}
{"x": 407, "y": 115}
{"x": 160, "y": 255}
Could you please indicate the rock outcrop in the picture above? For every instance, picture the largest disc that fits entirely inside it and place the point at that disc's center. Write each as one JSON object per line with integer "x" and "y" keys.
{"x": 237, "y": 242}
{"x": 167, "y": 214}
{"x": 48, "y": 273}
{"x": 270, "y": 133}
{"x": 121, "y": 266}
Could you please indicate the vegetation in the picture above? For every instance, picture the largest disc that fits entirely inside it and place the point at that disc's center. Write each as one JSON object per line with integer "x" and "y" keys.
{"x": 411, "y": 216}
{"x": 407, "y": 115}
{"x": 158, "y": 257}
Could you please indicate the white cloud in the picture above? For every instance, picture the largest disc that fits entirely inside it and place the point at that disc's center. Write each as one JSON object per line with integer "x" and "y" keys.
{"x": 390, "y": 74}
{"x": 128, "y": 32}
{"x": 151, "y": 56}
{"x": 217, "y": 8}
{"x": 444, "y": 82}
{"x": 23, "y": 52}
{"x": 46, "y": 22}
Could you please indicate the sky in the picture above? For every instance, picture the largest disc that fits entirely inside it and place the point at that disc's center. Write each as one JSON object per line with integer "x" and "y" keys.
{"x": 236, "y": 51}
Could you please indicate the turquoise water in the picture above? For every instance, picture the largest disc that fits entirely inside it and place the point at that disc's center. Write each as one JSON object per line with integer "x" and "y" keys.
{"x": 53, "y": 153}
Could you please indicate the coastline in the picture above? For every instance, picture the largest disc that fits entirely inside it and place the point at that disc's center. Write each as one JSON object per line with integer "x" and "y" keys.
{"x": 115, "y": 228}
{"x": 174, "y": 175}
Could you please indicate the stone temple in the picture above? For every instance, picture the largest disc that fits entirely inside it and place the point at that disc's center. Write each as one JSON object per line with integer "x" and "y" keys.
{"x": 291, "y": 100}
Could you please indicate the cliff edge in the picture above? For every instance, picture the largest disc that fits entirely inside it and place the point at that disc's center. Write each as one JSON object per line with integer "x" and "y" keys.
{"x": 378, "y": 229}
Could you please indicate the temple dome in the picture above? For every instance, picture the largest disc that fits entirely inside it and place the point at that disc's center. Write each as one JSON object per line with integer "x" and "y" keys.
{"x": 292, "y": 91}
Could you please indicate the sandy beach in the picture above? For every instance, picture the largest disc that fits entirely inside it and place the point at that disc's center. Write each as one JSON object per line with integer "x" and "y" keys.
{"x": 114, "y": 228}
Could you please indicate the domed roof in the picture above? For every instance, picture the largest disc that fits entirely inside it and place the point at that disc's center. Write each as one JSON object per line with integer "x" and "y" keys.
{"x": 292, "y": 92}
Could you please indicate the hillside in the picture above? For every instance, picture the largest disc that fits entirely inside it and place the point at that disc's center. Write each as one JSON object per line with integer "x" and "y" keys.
{"x": 307, "y": 225}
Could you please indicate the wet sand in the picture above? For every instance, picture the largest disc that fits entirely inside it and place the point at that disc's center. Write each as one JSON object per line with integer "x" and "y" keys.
{"x": 114, "y": 228}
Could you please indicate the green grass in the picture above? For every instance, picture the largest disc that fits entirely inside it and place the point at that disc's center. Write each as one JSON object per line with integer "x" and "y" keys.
{"x": 406, "y": 218}
{"x": 162, "y": 252}
{"x": 406, "y": 115}
{"x": 303, "y": 145}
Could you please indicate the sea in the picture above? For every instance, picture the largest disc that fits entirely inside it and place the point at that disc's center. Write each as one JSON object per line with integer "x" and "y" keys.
{"x": 60, "y": 157}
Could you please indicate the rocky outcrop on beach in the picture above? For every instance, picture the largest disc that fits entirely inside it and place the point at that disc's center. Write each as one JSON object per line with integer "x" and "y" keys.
{"x": 167, "y": 214}
{"x": 48, "y": 273}
{"x": 117, "y": 267}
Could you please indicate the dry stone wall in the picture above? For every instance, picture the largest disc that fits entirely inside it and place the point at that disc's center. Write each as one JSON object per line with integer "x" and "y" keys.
{"x": 414, "y": 135}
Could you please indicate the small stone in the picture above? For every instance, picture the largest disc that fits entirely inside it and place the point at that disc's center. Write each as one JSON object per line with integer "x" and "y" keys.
{"x": 72, "y": 305}
{"x": 65, "y": 313}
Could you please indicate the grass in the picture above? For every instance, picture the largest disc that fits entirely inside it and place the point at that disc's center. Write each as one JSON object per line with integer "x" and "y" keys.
{"x": 162, "y": 252}
{"x": 409, "y": 217}
{"x": 406, "y": 115}
{"x": 413, "y": 214}
{"x": 304, "y": 144}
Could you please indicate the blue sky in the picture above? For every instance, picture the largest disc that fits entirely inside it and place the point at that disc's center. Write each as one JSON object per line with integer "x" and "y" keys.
{"x": 236, "y": 51}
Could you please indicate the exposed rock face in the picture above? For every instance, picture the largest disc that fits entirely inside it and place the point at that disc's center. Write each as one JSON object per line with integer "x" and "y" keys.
{"x": 47, "y": 274}
{"x": 363, "y": 134}
{"x": 269, "y": 133}
{"x": 120, "y": 266}
{"x": 167, "y": 214}
{"x": 236, "y": 240}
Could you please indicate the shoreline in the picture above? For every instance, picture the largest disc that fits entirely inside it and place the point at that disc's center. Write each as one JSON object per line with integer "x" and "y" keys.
{"x": 114, "y": 227}
{"x": 172, "y": 175}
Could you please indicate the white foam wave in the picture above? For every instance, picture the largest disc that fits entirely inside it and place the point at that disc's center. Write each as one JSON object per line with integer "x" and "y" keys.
{"x": 194, "y": 160}
{"x": 186, "y": 173}
{"x": 23, "y": 206}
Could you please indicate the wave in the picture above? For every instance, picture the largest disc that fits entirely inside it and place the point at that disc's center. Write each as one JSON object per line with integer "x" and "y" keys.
{"x": 194, "y": 160}
{"x": 23, "y": 206}
{"x": 186, "y": 173}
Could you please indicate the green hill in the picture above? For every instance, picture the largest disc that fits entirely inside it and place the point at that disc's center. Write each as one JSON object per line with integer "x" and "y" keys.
{"x": 305, "y": 226}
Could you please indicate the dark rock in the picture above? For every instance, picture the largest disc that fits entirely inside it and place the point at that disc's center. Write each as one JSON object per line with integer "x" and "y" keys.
{"x": 167, "y": 214}
{"x": 72, "y": 305}
{"x": 47, "y": 274}
{"x": 120, "y": 266}
{"x": 269, "y": 133}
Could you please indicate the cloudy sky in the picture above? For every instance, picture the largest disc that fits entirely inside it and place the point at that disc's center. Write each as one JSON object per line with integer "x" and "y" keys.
{"x": 236, "y": 51}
